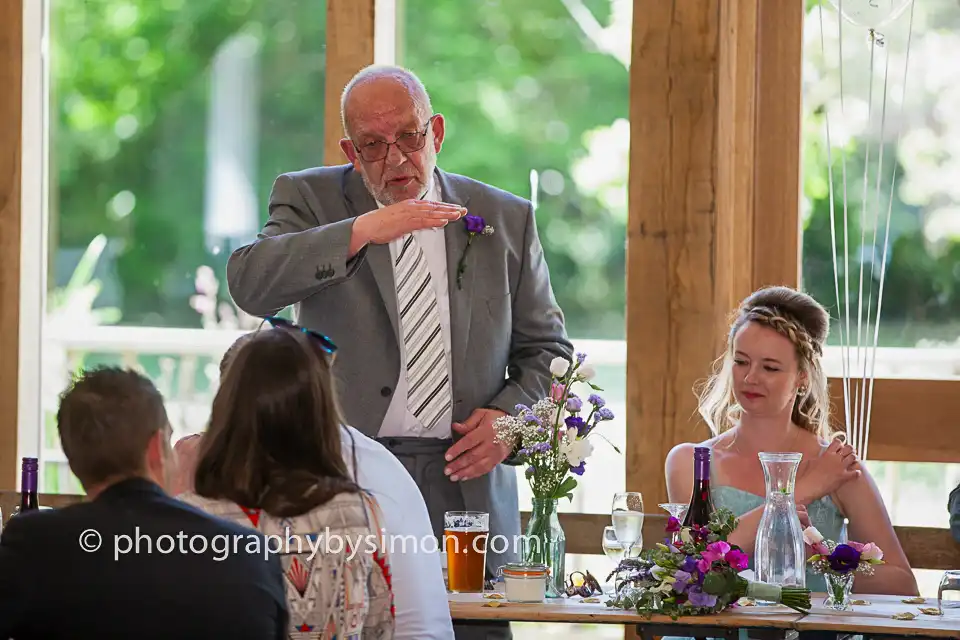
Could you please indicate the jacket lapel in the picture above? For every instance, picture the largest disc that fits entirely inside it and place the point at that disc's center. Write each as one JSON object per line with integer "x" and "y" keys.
{"x": 378, "y": 255}
{"x": 455, "y": 241}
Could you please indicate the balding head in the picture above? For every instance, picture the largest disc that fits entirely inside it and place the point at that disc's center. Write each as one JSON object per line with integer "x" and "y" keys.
{"x": 392, "y": 136}
{"x": 376, "y": 85}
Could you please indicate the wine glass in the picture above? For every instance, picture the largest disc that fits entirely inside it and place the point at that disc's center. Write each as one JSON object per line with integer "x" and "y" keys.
{"x": 627, "y": 516}
{"x": 677, "y": 510}
{"x": 612, "y": 547}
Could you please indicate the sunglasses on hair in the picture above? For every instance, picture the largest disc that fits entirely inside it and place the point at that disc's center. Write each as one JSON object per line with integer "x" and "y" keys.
{"x": 325, "y": 343}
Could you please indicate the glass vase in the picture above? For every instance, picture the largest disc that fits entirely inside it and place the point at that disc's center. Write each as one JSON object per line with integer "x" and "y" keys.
{"x": 545, "y": 543}
{"x": 839, "y": 587}
{"x": 779, "y": 557}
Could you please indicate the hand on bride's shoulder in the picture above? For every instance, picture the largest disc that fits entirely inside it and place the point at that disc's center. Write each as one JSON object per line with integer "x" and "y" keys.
{"x": 835, "y": 466}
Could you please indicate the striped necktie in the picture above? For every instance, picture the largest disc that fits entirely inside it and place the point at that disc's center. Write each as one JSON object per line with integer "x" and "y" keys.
{"x": 428, "y": 391}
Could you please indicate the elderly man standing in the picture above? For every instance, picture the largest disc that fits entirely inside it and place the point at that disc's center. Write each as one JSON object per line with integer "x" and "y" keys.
{"x": 434, "y": 286}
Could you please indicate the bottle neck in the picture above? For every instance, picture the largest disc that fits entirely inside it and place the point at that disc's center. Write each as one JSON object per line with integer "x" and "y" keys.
{"x": 701, "y": 470}
{"x": 28, "y": 482}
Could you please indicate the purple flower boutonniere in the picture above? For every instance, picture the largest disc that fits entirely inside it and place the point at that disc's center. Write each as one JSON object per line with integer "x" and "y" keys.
{"x": 475, "y": 226}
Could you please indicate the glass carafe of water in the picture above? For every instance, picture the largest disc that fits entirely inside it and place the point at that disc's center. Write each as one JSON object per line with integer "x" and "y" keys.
{"x": 779, "y": 556}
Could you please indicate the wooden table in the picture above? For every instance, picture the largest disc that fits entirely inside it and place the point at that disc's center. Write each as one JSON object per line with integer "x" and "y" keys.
{"x": 771, "y": 623}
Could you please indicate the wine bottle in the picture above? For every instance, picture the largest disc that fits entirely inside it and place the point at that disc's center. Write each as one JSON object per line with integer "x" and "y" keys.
{"x": 701, "y": 504}
{"x": 28, "y": 487}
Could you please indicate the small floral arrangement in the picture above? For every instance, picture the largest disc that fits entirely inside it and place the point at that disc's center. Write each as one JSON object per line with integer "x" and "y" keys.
{"x": 475, "y": 226}
{"x": 839, "y": 559}
{"x": 553, "y": 434}
{"x": 700, "y": 576}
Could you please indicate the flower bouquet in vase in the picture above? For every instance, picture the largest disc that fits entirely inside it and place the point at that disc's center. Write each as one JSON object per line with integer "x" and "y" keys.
{"x": 839, "y": 563}
{"x": 554, "y": 440}
{"x": 698, "y": 576}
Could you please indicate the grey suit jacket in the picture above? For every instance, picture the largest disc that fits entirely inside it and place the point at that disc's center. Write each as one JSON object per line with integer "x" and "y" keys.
{"x": 506, "y": 325}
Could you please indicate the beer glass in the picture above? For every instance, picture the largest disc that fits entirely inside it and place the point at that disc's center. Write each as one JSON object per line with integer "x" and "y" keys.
{"x": 465, "y": 535}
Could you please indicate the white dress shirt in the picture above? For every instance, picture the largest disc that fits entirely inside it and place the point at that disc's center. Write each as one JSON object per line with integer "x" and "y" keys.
{"x": 418, "y": 588}
{"x": 399, "y": 421}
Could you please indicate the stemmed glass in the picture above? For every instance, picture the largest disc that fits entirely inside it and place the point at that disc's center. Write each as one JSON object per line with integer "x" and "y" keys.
{"x": 677, "y": 510}
{"x": 627, "y": 516}
{"x": 612, "y": 548}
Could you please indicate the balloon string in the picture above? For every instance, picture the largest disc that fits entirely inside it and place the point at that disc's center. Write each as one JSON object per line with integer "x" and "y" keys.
{"x": 833, "y": 240}
{"x": 860, "y": 397}
{"x": 886, "y": 238}
{"x": 846, "y": 238}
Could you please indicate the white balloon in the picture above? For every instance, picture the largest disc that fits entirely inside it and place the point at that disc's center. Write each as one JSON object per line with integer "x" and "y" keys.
{"x": 870, "y": 13}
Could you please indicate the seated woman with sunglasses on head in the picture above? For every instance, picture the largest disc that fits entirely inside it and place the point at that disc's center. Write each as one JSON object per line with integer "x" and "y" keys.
{"x": 271, "y": 460}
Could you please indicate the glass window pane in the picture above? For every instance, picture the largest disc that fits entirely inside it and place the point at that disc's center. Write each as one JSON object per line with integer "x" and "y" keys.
{"x": 884, "y": 146}
{"x": 169, "y": 121}
{"x": 535, "y": 96}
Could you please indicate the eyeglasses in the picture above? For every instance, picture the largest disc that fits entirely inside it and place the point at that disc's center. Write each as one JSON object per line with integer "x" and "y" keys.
{"x": 406, "y": 142}
{"x": 325, "y": 343}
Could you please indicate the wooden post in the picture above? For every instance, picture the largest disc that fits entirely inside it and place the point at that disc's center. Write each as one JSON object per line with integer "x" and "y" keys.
{"x": 714, "y": 199}
{"x": 350, "y": 48}
{"x": 11, "y": 74}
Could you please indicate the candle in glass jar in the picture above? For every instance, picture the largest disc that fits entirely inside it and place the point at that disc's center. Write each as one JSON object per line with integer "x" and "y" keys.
{"x": 524, "y": 582}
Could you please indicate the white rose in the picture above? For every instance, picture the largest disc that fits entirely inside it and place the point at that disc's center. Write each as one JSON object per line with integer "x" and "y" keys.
{"x": 812, "y": 536}
{"x": 587, "y": 372}
{"x": 558, "y": 367}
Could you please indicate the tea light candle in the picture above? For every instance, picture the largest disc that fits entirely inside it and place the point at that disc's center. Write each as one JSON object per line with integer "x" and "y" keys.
{"x": 524, "y": 582}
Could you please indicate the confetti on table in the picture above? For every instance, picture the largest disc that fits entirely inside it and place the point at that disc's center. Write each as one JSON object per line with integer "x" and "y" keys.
{"x": 494, "y": 603}
{"x": 914, "y": 600}
{"x": 904, "y": 616}
{"x": 931, "y": 611}
{"x": 860, "y": 603}
{"x": 591, "y": 600}
{"x": 493, "y": 596}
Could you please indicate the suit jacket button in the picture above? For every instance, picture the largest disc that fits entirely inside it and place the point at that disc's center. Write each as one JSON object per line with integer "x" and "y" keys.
{"x": 385, "y": 391}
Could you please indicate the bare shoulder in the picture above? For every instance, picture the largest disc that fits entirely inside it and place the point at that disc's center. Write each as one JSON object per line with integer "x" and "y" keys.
{"x": 678, "y": 466}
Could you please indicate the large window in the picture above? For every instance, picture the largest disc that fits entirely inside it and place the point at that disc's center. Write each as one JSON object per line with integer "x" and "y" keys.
{"x": 168, "y": 122}
{"x": 913, "y": 145}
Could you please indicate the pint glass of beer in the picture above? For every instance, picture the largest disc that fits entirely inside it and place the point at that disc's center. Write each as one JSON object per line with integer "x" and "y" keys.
{"x": 465, "y": 535}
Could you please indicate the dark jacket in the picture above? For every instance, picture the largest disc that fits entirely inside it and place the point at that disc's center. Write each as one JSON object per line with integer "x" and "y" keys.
{"x": 953, "y": 506}
{"x": 132, "y": 564}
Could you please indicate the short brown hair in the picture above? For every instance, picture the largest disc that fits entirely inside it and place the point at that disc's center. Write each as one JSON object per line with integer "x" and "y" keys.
{"x": 273, "y": 441}
{"x": 106, "y": 418}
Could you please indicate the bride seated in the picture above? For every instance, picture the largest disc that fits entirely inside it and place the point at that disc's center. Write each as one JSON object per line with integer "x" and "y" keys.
{"x": 770, "y": 394}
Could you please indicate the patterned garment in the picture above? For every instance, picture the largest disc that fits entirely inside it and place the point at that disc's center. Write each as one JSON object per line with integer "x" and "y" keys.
{"x": 342, "y": 592}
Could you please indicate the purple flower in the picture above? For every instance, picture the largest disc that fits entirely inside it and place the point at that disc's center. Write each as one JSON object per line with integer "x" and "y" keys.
{"x": 474, "y": 224}
{"x": 576, "y": 422}
{"x": 683, "y": 580}
{"x": 689, "y": 564}
{"x": 542, "y": 446}
{"x": 844, "y": 559}
{"x": 596, "y": 400}
{"x": 698, "y": 598}
{"x": 574, "y": 404}
{"x": 530, "y": 471}
{"x": 578, "y": 469}
{"x": 532, "y": 419}
{"x": 581, "y": 357}
{"x": 673, "y": 525}
{"x": 604, "y": 414}
{"x": 521, "y": 408}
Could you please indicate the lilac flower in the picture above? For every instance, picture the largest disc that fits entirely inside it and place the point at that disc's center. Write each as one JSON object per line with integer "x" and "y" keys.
{"x": 522, "y": 408}
{"x": 541, "y": 446}
{"x": 604, "y": 414}
{"x": 596, "y": 400}
{"x": 683, "y": 579}
{"x": 698, "y": 598}
{"x": 541, "y": 430}
{"x": 689, "y": 564}
{"x": 578, "y": 469}
{"x": 574, "y": 404}
{"x": 532, "y": 419}
{"x": 530, "y": 471}
{"x": 576, "y": 422}
{"x": 581, "y": 357}
{"x": 474, "y": 224}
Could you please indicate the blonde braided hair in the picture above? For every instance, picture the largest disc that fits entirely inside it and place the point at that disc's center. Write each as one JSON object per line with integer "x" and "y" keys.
{"x": 781, "y": 309}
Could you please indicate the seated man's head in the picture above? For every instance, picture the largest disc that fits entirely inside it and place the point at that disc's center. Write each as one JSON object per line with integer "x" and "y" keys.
{"x": 273, "y": 441}
{"x": 113, "y": 426}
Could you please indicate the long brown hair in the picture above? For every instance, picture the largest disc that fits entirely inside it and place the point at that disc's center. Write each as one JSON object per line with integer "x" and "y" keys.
{"x": 274, "y": 437}
{"x": 801, "y": 319}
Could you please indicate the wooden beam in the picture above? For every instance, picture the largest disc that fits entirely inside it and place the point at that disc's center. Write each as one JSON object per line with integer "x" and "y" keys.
{"x": 11, "y": 74}
{"x": 911, "y": 420}
{"x": 350, "y": 48}
{"x": 671, "y": 231}
{"x": 779, "y": 114}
